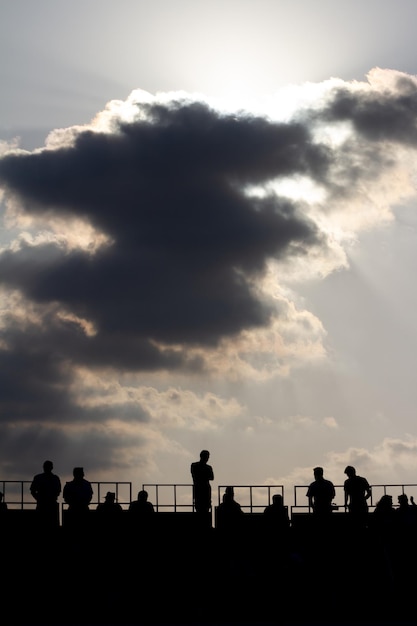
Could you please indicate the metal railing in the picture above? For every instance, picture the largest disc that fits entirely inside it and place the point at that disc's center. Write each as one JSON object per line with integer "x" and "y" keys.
{"x": 16, "y": 493}
{"x": 253, "y": 497}
{"x": 377, "y": 491}
{"x": 181, "y": 496}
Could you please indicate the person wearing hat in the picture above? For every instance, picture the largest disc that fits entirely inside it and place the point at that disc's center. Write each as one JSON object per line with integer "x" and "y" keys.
{"x": 109, "y": 515}
{"x": 109, "y": 506}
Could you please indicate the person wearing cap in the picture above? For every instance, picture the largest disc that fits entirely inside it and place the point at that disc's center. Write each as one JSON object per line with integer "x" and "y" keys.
{"x": 357, "y": 492}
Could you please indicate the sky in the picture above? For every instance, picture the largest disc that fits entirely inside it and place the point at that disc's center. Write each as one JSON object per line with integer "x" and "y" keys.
{"x": 208, "y": 239}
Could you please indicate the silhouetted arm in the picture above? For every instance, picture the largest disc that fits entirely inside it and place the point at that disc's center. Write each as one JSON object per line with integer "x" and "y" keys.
{"x": 310, "y": 498}
{"x": 33, "y": 489}
{"x": 346, "y": 497}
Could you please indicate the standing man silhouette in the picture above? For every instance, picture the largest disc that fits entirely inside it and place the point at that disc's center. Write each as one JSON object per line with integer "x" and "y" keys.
{"x": 45, "y": 488}
{"x": 202, "y": 474}
{"x": 357, "y": 492}
{"x": 78, "y": 494}
{"x": 320, "y": 495}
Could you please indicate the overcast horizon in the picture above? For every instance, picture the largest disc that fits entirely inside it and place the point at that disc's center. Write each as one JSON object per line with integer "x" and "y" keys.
{"x": 208, "y": 240}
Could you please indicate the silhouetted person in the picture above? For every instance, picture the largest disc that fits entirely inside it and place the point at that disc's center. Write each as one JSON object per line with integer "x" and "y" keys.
{"x": 276, "y": 515}
{"x": 406, "y": 522}
{"x": 229, "y": 529}
{"x": 141, "y": 516}
{"x": 3, "y": 505}
{"x": 109, "y": 507}
{"x": 357, "y": 492}
{"x": 202, "y": 474}
{"x": 320, "y": 494}
{"x": 78, "y": 494}
{"x": 109, "y": 514}
{"x": 229, "y": 513}
{"x": 3, "y": 512}
{"x": 406, "y": 513}
{"x": 141, "y": 509}
{"x": 384, "y": 512}
{"x": 45, "y": 488}
{"x": 5, "y": 523}
{"x": 382, "y": 526}
{"x": 277, "y": 530}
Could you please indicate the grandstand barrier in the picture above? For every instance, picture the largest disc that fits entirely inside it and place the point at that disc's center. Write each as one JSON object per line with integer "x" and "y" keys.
{"x": 174, "y": 505}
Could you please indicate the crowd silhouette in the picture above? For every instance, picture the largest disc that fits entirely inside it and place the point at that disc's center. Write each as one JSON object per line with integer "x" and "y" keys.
{"x": 329, "y": 544}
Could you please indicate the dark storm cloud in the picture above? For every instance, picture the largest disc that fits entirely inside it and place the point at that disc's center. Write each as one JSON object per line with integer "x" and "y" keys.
{"x": 94, "y": 449}
{"x": 35, "y": 371}
{"x": 187, "y": 240}
{"x": 378, "y": 115}
{"x": 186, "y": 245}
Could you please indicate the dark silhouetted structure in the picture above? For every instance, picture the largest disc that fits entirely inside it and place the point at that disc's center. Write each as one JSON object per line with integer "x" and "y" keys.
{"x": 45, "y": 488}
{"x": 321, "y": 577}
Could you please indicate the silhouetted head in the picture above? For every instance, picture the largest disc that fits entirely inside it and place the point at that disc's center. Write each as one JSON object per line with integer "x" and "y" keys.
{"x": 350, "y": 471}
{"x": 277, "y": 499}
{"x": 384, "y": 504}
{"x": 78, "y": 472}
{"x": 1, "y": 496}
{"x": 48, "y": 466}
{"x": 142, "y": 495}
{"x": 110, "y": 497}
{"x": 403, "y": 499}
{"x": 204, "y": 456}
{"x": 229, "y": 493}
{"x": 318, "y": 472}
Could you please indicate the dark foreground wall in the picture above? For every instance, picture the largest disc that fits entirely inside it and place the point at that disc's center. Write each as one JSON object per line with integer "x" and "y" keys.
{"x": 183, "y": 572}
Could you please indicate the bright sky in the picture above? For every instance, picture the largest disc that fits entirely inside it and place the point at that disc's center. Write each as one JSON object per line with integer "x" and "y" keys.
{"x": 208, "y": 239}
